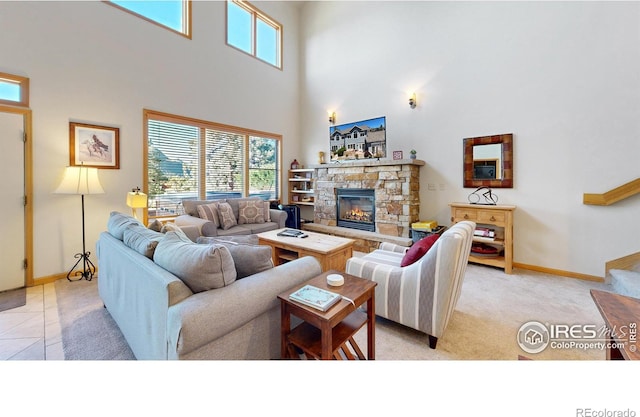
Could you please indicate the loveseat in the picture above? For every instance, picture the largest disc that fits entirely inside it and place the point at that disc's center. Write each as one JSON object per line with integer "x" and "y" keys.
{"x": 231, "y": 216}
{"x": 176, "y": 299}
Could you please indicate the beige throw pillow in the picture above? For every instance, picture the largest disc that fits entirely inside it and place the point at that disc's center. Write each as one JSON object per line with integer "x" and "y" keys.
{"x": 200, "y": 267}
{"x": 227, "y": 219}
{"x": 249, "y": 258}
{"x": 267, "y": 213}
{"x": 118, "y": 222}
{"x": 209, "y": 212}
{"x": 142, "y": 240}
{"x": 251, "y": 212}
{"x": 172, "y": 227}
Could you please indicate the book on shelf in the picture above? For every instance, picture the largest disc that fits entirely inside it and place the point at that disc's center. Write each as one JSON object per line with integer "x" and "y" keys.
{"x": 484, "y": 232}
{"x": 315, "y": 297}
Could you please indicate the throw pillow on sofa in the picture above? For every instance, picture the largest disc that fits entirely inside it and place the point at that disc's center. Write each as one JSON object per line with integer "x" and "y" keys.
{"x": 118, "y": 223}
{"x": 227, "y": 219}
{"x": 249, "y": 258}
{"x": 142, "y": 240}
{"x": 155, "y": 225}
{"x": 251, "y": 212}
{"x": 209, "y": 212}
{"x": 200, "y": 267}
{"x": 172, "y": 227}
{"x": 191, "y": 206}
{"x": 267, "y": 212}
{"x": 246, "y": 239}
{"x": 418, "y": 249}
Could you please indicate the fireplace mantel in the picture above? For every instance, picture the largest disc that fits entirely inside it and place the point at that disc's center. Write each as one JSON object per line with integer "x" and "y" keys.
{"x": 396, "y": 184}
{"x": 370, "y": 162}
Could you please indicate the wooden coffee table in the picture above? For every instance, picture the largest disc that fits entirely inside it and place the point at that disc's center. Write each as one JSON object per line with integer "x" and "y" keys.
{"x": 328, "y": 334}
{"x": 331, "y": 251}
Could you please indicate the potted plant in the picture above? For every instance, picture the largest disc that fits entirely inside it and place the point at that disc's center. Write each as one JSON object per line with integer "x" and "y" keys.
{"x": 412, "y": 153}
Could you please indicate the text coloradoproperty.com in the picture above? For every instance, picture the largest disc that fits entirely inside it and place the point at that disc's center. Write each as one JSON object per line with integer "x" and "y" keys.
{"x": 586, "y": 345}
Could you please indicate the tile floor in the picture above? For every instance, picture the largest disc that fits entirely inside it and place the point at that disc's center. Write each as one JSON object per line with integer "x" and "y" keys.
{"x": 32, "y": 332}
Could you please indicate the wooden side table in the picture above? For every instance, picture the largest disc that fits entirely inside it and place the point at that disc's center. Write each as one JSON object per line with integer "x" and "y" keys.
{"x": 324, "y": 335}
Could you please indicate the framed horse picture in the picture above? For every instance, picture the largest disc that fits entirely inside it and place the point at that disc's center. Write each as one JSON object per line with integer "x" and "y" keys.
{"x": 94, "y": 146}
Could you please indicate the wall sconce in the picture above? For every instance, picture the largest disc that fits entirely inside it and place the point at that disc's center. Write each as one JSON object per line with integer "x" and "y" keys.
{"x": 412, "y": 101}
{"x": 332, "y": 118}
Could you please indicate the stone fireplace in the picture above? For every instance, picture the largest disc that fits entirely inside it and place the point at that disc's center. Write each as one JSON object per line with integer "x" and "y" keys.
{"x": 395, "y": 185}
{"x": 356, "y": 208}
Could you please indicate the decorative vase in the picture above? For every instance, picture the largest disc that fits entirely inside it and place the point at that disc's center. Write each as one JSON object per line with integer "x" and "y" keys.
{"x": 412, "y": 155}
{"x": 321, "y": 157}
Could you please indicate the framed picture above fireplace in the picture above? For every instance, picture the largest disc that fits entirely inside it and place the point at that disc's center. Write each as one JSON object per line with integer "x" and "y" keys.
{"x": 359, "y": 140}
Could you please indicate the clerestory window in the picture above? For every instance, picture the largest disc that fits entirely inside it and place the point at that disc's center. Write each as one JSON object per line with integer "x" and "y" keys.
{"x": 253, "y": 32}
{"x": 14, "y": 90}
{"x": 194, "y": 159}
{"x": 171, "y": 14}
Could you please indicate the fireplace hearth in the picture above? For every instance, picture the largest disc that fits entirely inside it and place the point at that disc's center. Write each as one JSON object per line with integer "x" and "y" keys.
{"x": 356, "y": 208}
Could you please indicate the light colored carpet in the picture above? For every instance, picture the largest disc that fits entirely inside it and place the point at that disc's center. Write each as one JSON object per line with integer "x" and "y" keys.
{"x": 88, "y": 331}
{"x": 491, "y": 309}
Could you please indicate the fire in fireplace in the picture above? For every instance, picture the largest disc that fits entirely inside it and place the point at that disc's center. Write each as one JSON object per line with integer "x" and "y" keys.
{"x": 356, "y": 208}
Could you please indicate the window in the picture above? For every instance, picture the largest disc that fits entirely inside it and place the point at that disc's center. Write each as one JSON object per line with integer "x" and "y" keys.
{"x": 251, "y": 31}
{"x": 14, "y": 90}
{"x": 172, "y": 14}
{"x": 195, "y": 159}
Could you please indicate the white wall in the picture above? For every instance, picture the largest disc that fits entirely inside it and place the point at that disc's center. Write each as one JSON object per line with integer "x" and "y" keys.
{"x": 92, "y": 63}
{"x": 564, "y": 78}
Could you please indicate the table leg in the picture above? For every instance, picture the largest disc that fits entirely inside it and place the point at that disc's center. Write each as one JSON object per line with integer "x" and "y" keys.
{"x": 371, "y": 327}
{"x": 285, "y": 329}
{"x": 326, "y": 335}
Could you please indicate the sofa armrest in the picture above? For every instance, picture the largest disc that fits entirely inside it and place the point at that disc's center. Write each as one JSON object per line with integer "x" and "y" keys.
{"x": 205, "y": 227}
{"x": 209, "y": 315}
{"x": 278, "y": 216}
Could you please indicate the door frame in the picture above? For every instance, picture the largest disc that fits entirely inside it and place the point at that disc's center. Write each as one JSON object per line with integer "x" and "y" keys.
{"x": 28, "y": 188}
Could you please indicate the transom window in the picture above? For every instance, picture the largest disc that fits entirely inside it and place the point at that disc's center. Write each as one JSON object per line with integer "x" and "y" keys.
{"x": 171, "y": 14}
{"x": 253, "y": 32}
{"x": 14, "y": 90}
{"x": 194, "y": 159}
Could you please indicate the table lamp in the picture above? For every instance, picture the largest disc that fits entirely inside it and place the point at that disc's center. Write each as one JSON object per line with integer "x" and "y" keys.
{"x": 136, "y": 200}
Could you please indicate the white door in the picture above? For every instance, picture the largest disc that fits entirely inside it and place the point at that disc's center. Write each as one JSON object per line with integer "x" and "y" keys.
{"x": 12, "y": 192}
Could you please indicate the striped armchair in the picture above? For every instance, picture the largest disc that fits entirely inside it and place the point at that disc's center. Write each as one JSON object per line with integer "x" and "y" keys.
{"x": 424, "y": 294}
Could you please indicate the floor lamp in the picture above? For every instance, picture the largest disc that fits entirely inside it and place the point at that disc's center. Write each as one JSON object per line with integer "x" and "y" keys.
{"x": 81, "y": 180}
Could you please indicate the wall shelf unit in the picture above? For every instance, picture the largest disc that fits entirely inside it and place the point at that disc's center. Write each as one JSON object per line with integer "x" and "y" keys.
{"x": 499, "y": 218}
{"x": 301, "y": 187}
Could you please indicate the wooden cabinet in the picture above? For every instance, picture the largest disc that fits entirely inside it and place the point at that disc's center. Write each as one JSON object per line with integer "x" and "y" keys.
{"x": 301, "y": 186}
{"x": 498, "y": 217}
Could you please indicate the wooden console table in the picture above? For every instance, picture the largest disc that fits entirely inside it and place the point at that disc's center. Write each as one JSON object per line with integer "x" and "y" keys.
{"x": 501, "y": 217}
{"x": 621, "y": 314}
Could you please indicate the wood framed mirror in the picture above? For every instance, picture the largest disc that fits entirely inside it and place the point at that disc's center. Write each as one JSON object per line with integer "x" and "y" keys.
{"x": 488, "y": 161}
